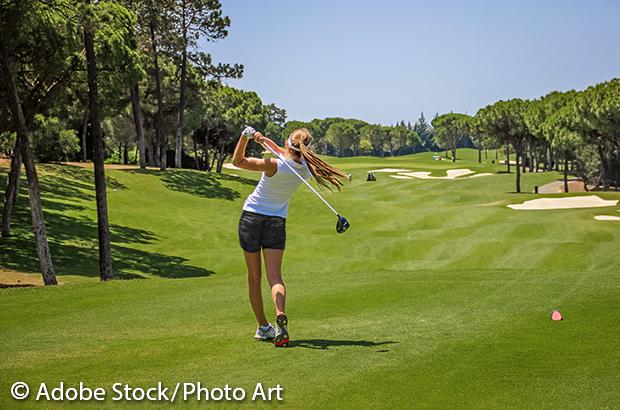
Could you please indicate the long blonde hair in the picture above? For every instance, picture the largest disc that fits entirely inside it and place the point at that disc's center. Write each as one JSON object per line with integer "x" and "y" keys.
{"x": 321, "y": 171}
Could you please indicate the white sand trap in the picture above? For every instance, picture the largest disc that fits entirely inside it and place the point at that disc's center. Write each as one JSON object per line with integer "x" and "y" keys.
{"x": 452, "y": 173}
{"x": 230, "y": 166}
{"x": 390, "y": 170}
{"x": 484, "y": 174}
{"x": 591, "y": 201}
{"x": 607, "y": 218}
{"x": 400, "y": 177}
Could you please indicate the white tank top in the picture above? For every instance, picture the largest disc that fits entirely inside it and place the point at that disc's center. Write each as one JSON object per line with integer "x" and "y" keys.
{"x": 271, "y": 195}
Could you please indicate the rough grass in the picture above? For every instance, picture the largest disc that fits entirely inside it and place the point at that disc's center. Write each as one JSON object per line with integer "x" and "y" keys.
{"x": 438, "y": 296}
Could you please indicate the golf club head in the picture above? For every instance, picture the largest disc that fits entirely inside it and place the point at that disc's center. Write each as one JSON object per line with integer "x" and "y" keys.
{"x": 342, "y": 225}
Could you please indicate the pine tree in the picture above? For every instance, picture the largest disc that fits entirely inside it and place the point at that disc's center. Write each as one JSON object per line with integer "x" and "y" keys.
{"x": 195, "y": 20}
{"x": 424, "y": 131}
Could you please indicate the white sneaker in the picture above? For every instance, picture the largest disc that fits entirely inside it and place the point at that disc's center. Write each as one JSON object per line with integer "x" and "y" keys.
{"x": 267, "y": 334}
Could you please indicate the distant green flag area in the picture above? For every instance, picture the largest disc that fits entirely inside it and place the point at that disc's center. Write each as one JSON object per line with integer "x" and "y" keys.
{"x": 457, "y": 246}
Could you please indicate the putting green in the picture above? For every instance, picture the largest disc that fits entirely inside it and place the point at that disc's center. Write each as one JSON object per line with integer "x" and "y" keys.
{"x": 437, "y": 296}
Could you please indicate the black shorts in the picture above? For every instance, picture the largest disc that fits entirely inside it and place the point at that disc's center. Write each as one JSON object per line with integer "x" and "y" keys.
{"x": 258, "y": 231}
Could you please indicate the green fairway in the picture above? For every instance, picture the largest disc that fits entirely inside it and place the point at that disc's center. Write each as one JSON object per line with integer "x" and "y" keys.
{"x": 437, "y": 296}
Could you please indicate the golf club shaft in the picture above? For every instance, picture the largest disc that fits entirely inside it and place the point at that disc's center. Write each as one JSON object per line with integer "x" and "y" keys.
{"x": 266, "y": 146}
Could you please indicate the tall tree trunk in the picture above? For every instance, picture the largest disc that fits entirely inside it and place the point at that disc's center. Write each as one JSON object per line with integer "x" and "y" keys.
{"x": 565, "y": 172}
{"x": 518, "y": 155}
{"x": 196, "y": 160}
{"x": 149, "y": 152}
{"x": 125, "y": 155}
{"x": 105, "y": 259}
{"x": 220, "y": 159}
{"x": 161, "y": 139}
{"x": 34, "y": 191}
{"x": 604, "y": 176}
{"x": 178, "y": 152}
{"x": 12, "y": 189}
{"x": 479, "y": 155}
{"x": 531, "y": 164}
{"x": 507, "y": 158}
{"x": 138, "y": 122}
{"x": 18, "y": 180}
{"x": 84, "y": 130}
{"x": 156, "y": 150}
{"x": 212, "y": 160}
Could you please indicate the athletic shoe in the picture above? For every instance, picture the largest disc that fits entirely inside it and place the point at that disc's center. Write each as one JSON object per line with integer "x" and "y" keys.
{"x": 281, "y": 339}
{"x": 265, "y": 334}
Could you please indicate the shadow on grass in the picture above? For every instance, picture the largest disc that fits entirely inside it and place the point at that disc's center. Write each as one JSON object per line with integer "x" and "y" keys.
{"x": 198, "y": 183}
{"x": 19, "y": 253}
{"x": 73, "y": 238}
{"x": 325, "y": 344}
{"x": 73, "y": 180}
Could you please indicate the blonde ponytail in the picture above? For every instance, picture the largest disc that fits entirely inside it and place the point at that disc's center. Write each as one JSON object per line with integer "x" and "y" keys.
{"x": 324, "y": 173}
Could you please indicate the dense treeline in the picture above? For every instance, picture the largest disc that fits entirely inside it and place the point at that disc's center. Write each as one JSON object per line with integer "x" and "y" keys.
{"x": 575, "y": 131}
{"x": 580, "y": 130}
{"x": 349, "y": 137}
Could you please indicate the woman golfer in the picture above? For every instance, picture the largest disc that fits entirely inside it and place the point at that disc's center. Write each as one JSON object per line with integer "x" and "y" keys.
{"x": 263, "y": 221}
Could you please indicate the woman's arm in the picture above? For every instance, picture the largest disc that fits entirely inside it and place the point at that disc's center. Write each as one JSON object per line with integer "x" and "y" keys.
{"x": 251, "y": 164}
{"x": 269, "y": 142}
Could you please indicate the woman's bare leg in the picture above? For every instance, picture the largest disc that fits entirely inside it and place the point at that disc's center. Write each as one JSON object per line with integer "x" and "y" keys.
{"x": 273, "y": 265}
{"x": 252, "y": 261}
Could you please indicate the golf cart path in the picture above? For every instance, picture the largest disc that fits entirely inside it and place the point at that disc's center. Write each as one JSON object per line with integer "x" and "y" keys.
{"x": 10, "y": 278}
{"x": 228, "y": 165}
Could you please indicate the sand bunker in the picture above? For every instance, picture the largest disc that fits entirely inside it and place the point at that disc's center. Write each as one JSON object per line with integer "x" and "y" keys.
{"x": 591, "y": 201}
{"x": 390, "y": 170}
{"x": 452, "y": 174}
{"x": 607, "y": 218}
{"x": 230, "y": 166}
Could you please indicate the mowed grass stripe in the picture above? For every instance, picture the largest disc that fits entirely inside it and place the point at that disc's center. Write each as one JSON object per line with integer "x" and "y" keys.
{"x": 438, "y": 295}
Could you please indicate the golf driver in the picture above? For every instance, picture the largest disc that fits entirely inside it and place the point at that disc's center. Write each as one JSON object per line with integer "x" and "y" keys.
{"x": 342, "y": 225}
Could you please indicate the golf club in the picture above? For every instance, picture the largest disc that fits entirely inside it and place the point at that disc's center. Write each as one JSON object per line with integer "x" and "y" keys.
{"x": 342, "y": 225}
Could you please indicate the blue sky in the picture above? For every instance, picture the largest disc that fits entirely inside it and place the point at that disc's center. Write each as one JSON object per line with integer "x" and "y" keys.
{"x": 390, "y": 60}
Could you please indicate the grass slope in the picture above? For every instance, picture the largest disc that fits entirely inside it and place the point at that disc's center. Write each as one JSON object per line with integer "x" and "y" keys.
{"x": 438, "y": 296}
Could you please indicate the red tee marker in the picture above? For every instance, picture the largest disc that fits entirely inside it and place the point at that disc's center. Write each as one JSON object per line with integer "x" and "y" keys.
{"x": 556, "y": 315}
